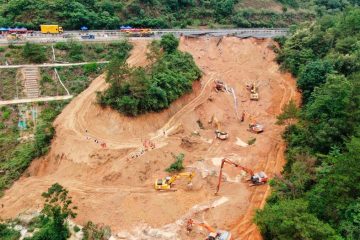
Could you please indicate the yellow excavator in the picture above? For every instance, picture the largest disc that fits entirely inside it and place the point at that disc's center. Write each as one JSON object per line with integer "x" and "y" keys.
{"x": 219, "y": 134}
{"x": 168, "y": 182}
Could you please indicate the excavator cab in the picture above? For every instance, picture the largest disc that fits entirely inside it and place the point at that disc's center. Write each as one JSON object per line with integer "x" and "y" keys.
{"x": 259, "y": 178}
{"x": 167, "y": 182}
{"x": 221, "y": 135}
{"x": 213, "y": 233}
{"x": 256, "y": 128}
{"x": 220, "y": 235}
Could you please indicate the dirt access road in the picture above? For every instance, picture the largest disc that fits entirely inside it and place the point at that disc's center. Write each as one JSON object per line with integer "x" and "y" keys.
{"x": 114, "y": 185}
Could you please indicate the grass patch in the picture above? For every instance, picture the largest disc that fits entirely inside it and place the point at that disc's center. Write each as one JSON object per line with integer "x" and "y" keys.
{"x": 176, "y": 166}
{"x": 10, "y": 88}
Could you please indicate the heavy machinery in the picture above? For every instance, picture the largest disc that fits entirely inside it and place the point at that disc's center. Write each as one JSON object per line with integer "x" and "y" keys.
{"x": 254, "y": 94}
{"x": 254, "y": 127}
{"x": 51, "y": 29}
{"x": 219, "y": 86}
{"x": 219, "y": 134}
{"x": 168, "y": 182}
{"x": 255, "y": 178}
{"x": 213, "y": 233}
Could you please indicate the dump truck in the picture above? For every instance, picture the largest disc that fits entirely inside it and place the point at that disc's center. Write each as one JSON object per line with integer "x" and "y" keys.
{"x": 53, "y": 29}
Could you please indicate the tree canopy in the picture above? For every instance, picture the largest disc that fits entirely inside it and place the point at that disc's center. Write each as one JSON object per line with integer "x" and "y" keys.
{"x": 318, "y": 195}
{"x": 137, "y": 90}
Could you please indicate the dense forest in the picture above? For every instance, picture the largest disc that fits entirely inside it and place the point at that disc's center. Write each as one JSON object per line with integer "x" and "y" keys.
{"x": 137, "y": 90}
{"x": 318, "y": 194}
{"x": 110, "y": 14}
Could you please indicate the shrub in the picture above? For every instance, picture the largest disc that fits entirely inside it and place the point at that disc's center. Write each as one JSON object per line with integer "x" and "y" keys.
{"x": 7, "y": 233}
{"x": 76, "y": 228}
{"x": 76, "y": 51}
{"x": 62, "y": 46}
{"x": 46, "y": 78}
{"x": 96, "y": 232}
{"x": 90, "y": 68}
{"x": 176, "y": 166}
{"x": 35, "y": 53}
{"x": 169, "y": 43}
{"x": 6, "y": 114}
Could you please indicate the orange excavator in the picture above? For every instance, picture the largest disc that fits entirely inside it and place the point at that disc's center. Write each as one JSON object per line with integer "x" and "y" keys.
{"x": 256, "y": 178}
{"x": 213, "y": 233}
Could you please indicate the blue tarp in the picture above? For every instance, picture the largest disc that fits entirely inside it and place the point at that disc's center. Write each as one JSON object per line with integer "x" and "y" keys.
{"x": 125, "y": 27}
{"x": 4, "y": 29}
{"x": 83, "y": 28}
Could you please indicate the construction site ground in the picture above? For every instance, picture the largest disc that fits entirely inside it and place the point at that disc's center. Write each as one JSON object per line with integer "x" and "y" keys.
{"x": 114, "y": 185}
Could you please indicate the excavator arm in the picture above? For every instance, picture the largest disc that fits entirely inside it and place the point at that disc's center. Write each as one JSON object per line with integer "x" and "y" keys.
{"x": 188, "y": 175}
{"x": 225, "y": 160}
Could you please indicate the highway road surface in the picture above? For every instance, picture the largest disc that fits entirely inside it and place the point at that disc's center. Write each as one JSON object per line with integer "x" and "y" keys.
{"x": 51, "y": 64}
{"x": 114, "y": 35}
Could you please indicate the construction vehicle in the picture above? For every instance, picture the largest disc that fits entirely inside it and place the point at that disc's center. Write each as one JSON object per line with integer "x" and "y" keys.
{"x": 255, "y": 178}
{"x": 254, "y": 94}
{"x": 88, "y": 36}
{"x": 219, "y": 86}
{"x": 53, "y": 29}
{"x": 219, "y": 134}
{"x": 137, "y": 32}
{"x": 168, "y": 182}
{"x": 255, "y": 127}
{"x": 213, "y": 233}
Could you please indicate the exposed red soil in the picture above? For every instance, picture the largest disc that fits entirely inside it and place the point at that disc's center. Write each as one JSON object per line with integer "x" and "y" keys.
{"x": 114, "y": 186}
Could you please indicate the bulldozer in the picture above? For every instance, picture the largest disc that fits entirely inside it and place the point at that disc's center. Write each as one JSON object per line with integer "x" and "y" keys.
{"x": 168, "y": 182}
{"x": 213, "y": 233}
{"x": 219, "y": 134}
{"x": 258, "y": 178}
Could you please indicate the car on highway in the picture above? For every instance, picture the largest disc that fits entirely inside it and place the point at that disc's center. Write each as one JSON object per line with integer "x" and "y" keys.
{"x": 88, "y": 36}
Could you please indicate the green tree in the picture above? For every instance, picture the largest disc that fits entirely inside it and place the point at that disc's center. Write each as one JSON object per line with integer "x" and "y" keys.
{"x": 57, "y": 209}
{"x": 290, "y": 219}
{"x": 289, "y": 114}
{"x": 336, "y": 195}
{"x": 329, "y": 113}
{"x": 7, "y": 233}
{"x": 313, "y": 75}
{"x": 177, "y": 166}
{"x": 169, "y": 43}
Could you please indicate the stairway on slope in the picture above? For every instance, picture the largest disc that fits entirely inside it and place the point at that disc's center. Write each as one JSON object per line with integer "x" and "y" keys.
{"x": 31, "y": 81}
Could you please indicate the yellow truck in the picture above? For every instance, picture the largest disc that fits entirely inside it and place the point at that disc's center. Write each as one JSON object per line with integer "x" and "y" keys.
{"x": 51, "y": 29}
